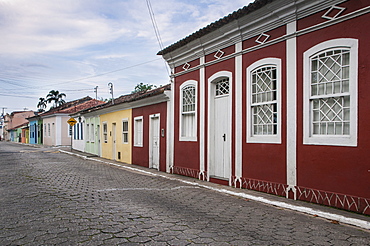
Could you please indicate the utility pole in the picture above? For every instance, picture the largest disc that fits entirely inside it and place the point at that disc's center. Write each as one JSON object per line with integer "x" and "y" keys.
{"x": 110, "y": 84}
{"x": 96, "y": 92}
{"x": 2, "y": 114}
{"x": 2, "y": 124}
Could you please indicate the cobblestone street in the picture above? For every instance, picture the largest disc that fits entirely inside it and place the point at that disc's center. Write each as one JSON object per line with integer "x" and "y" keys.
{"x": 51, "y": 198}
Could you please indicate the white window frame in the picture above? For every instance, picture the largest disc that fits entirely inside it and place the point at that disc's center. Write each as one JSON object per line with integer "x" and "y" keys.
{"x": 138, "y": 131}
{"x": 194, "y": 132}
{"x": 273, "y": 138}
{"x": 87, "y": 132}
{"x": 105, "y": 133}
{"x": 336, "y": 140}
{"x": 92, "y": 133}
{"x": 125, "y": 120}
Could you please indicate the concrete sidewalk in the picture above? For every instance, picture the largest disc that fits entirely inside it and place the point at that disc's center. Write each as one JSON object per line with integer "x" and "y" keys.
{"x": 332, "y": 214}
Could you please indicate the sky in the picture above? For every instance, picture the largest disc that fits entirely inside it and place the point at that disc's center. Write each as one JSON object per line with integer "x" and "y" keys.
{"x": 75, "y": 45}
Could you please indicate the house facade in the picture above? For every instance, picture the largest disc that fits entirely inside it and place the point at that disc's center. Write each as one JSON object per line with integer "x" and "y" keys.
{"x": 36, "y": 130}
{"x": 131, "y": 129}
{"x": 151, "y": 131}
{"x": 115, "y": 137}
{"x": 12, "y": 122}
{"x": 274, "y": 98}
{"x": 92, "y": 143}
{"x": 57, "y": 131}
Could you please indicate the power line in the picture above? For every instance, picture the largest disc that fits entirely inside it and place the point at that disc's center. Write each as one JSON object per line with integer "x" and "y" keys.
{"x": 10, "y": 95}
{"x": 156, "y": 30}
{"x": 80, "y": 79}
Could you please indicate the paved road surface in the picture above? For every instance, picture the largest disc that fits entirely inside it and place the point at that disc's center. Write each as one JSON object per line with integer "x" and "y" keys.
{"x": 51, "y": 198}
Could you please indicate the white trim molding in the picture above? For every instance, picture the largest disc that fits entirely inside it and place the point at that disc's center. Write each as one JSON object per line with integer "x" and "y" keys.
{"x": 291, "y": 109}
{"x": 202, "y": 78}
{"x": 345, "y": 139}
{"x": 270, "y": 138}
{"x": 238, "y": 114}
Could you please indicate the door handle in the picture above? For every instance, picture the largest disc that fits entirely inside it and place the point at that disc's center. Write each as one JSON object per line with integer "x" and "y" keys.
{"x": 224, "y": 136}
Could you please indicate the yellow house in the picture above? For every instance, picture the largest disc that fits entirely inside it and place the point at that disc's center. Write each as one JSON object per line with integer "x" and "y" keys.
{"x": 115, "y": 135}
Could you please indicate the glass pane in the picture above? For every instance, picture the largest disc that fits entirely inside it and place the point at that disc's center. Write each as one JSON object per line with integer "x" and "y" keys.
{"x": 323, "y": 128}
{"x": 345, "y": 86}
{"x": 346, "y": 128}
{"x": 314, "y": 65}
{"x": 313, "y": 90}
{"x": 330, "y": 126}
{"x": 321, "y": 89}
{"x": 338, "y": 129}
{"x": 345, "y": 58}
{"x": 337, "y": 87}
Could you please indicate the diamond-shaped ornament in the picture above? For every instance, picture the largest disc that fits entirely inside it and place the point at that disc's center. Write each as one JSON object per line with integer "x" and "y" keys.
{"x": 262, "y": 38}
{"x": 186, "y": 66}
{"x": 333, "y": 12}
{"x": 219, "y": 54}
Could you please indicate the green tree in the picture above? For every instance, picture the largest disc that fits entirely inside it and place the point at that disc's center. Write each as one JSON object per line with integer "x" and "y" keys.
{"x": 56, "y": 98}
{"x": 41, "y": 105}
{"x": 143, "y": 87}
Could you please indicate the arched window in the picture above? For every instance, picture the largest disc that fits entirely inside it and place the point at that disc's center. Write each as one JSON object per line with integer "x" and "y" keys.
{"x": 263, "y": 102}
{"x": 331, "y": 93}
{"x": 188, "y": 108}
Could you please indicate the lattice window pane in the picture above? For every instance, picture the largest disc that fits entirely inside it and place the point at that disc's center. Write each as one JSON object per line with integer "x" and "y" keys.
{"x": 330, "y": 72}
{"x": 331, "y": 116}
{"x": 222, "y": 87}
{"x": 188, "y": 99}
{"x": 264, "y": 84}
{"x": 265, "y": 119}
{"x": 264, "y": 100}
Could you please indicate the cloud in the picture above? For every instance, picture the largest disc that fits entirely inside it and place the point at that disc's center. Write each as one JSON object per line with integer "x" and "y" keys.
{"x": 52, "y": 26}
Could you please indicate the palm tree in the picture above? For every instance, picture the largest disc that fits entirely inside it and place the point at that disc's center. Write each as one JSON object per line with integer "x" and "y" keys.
{"x": 56, "y": 97}
{"x": 41, "y": 104}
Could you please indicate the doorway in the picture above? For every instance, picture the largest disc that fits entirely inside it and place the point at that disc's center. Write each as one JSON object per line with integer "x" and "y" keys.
{"x": 220, "y": 129}
{"x": 154, "y": 141}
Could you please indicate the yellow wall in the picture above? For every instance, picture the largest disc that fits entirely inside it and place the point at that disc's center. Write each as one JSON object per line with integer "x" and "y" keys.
{"x": 107, "y": 147}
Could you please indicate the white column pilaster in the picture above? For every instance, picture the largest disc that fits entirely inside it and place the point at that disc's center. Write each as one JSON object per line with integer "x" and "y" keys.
{"x": 291, "y": 107}
{"x": 238, "y": 114}
{"x": 202, "y": 118}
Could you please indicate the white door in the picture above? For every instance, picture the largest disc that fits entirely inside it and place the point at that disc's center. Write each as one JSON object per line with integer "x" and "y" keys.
{"x": 114, "y": 141}
{"x": 220, "y": 164}
{"x": 154, "y": 140}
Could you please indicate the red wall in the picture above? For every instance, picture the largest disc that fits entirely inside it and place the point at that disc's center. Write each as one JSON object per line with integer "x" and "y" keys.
{"x": 140, "y": 155}
{"x": 337, "y": 169}
{"x": 186, "y": 153}
{"x": 265, "y": 161}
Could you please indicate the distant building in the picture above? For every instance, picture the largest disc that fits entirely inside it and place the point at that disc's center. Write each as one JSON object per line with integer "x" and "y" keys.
{"x": 56, "y": 130}
{"x": 13, "y": 122}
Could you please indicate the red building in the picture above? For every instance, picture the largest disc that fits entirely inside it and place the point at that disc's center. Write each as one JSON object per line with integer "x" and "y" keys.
{"x": 275, "y": 97}
{"x": 149, "y": 121}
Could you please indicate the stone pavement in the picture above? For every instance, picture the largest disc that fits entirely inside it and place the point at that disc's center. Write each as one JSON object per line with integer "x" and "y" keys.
{"x": 48, "y": 197}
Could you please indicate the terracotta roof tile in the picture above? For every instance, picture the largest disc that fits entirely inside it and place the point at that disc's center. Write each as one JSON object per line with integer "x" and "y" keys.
{"x": 73, "y": 106}
{"x": 130, "y": 98}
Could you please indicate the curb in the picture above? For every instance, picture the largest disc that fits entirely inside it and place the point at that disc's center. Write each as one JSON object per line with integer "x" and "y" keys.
{"x": 315, "y": 212}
